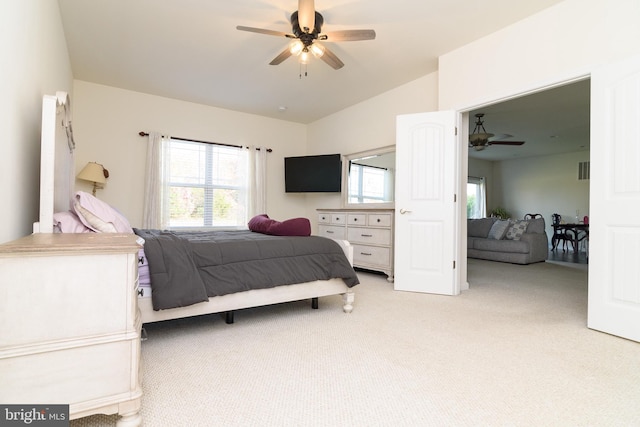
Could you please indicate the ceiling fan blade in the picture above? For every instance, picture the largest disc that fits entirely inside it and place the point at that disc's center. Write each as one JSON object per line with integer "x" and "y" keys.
{"x": 331, "y": 59}
{"x": 506, "y": 142}
{"x": 306, "y": 15}
{"x": 350, "y": 35}
{"x": 263, "y": 31}
{"x": 281, "y": 57}
{"x": 500, "y": 137}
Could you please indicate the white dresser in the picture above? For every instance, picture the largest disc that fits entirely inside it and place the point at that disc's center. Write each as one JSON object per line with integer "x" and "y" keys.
{"x": 70, "y": 324}
{"x": 370, "y": 232}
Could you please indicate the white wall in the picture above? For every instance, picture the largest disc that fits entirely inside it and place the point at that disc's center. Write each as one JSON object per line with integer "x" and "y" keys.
{"x": 365, "y": 126}
{"x": 544, "y": 185}
{"x": 106, "y": 125}
{"x": 563, "y": 41}
{"x": 35, "y": 62}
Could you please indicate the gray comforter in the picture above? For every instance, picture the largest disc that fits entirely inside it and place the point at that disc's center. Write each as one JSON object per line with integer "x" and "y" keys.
{"x": 189, "y": 267}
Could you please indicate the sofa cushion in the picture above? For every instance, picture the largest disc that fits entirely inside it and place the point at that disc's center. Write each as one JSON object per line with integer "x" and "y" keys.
{"x": 516, "y": 230}
{"x": 479, "y": 227}
{"x": 515, "y": 246}
{"x": 536, "y": 226}
{"x": 499, "y": 229}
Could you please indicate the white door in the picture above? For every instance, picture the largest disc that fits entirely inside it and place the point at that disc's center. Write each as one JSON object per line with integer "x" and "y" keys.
{"x": 426, "y": 176}
{"x": 614, "y": 246}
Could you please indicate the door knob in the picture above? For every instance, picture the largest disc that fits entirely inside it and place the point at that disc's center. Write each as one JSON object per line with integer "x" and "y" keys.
{"x": 404, "y": 211}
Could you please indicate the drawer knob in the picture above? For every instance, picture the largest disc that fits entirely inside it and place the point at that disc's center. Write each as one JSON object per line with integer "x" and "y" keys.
{"x": 378, "y": 220}
{"x": 355, "y": 219}
{"x": 366, "y": 235}
{"x": 365, "y": 253}
{"x": 329, "y": 232}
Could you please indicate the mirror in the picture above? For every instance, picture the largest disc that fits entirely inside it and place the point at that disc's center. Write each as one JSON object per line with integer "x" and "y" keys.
{"x": 368, "y": 178}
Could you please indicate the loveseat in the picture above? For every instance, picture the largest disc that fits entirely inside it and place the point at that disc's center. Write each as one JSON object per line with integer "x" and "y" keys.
{"x": 514, "y": 241}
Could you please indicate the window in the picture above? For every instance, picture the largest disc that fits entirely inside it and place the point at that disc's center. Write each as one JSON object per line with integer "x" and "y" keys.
{"x": 476, "y": 198}
{"x": 366, "y": 184}
{"x": 206, "y": 185}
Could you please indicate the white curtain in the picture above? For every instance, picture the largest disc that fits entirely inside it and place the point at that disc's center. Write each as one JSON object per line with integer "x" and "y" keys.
{"x": 153, "y": 215}
{"x": 257, "y": 181}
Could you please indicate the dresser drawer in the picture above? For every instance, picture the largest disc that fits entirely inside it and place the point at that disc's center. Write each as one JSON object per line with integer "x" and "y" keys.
{"x": 332, "y": 231}
{"x": 324, "y": 218}
{"x": 371, "y": 255}
{"x": 357, "y": 219}
{"x": 373, "y": 236}
{"x": 338, "y": 218}
{"x": 381, "y": 220}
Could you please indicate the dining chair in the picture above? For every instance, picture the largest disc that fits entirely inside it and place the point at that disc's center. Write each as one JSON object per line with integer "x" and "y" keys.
{"x": 559, "y": 234}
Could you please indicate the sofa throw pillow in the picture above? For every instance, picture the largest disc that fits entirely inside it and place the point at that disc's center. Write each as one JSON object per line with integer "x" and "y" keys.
{"x": 517, "y": 229}
{"x": 499, "y": 229}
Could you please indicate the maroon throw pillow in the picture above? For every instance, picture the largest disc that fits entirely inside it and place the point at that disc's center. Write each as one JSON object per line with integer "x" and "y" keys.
{"x": 291, "y": 227}
{"x": 260, "y": 223}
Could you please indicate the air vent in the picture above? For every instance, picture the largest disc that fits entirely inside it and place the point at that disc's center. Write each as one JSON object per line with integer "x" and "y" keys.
{"x": 584, "y": 171}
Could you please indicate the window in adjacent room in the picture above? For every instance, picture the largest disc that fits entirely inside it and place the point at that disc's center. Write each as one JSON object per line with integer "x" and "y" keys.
{"x": 206, "y": 185}
{"x": 476, "y": 198}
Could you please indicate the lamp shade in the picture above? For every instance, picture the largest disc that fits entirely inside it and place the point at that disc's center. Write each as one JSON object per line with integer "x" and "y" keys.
{"x": 93, "y": 172}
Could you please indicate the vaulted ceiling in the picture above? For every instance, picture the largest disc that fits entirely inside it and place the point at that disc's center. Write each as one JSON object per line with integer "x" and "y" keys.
{"x": 191, "y": 50}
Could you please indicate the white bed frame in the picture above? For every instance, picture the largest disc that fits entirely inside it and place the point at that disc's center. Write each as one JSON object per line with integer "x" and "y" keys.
{"x": 257, "y": 297}
{"x": 56, "y": 192}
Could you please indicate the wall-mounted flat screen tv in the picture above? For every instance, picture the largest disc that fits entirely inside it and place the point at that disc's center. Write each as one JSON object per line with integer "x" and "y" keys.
{"x": 313, "y": 174}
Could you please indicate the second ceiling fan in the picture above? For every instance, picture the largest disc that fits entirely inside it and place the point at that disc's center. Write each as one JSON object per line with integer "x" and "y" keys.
{"x": 306, "y": 28}
{"x": 480, "y": 139}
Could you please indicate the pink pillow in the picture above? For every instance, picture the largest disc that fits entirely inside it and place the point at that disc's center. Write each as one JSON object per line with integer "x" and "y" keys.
{"x": 98, "y": 215}
{"x": 68, "y": 222}
{"x": 291, "y": 227}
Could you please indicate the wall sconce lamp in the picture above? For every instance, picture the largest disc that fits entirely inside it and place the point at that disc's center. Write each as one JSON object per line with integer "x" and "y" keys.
{"x": 96, "y": 173}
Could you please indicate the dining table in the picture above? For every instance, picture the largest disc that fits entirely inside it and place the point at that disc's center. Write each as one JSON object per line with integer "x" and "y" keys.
{"x": 575, "y": 229}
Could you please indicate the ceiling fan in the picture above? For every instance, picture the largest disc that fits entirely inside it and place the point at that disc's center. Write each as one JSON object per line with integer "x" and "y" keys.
{"x": 306, "y": 28}
{"x": 480, "y": 140}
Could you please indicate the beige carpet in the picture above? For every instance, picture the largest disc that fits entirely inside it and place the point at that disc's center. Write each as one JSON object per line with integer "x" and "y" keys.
{"x": 513, "y": 350}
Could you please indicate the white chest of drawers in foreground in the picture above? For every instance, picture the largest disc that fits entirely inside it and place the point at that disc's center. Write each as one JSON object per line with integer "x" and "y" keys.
{"x": 370, "y": 232}
{"x": 70, "y": 324}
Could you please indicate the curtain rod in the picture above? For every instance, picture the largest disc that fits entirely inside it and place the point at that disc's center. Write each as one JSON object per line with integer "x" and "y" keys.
{"x": 143, "y": 133}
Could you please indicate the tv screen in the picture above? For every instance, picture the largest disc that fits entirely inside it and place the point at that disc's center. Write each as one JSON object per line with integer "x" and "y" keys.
{"x": 313, "y": 174}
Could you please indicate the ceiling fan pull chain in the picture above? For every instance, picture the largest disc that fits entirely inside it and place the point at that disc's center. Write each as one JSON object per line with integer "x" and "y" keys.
{"x": 305, "y": 70}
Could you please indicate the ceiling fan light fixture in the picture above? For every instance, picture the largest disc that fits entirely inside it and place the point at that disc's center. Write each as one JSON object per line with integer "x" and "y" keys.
{"x": 296, "y": 47}
{"x": 317, "y": 50}
{"x": 479, "y": 138}
{"x": 304, "y": 56}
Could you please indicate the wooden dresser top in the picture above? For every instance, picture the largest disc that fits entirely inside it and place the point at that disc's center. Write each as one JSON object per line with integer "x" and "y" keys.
{"x": 68, "y": 242}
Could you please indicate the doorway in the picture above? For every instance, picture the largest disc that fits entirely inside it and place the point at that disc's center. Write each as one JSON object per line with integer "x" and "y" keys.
{"x": 542, "y": 174}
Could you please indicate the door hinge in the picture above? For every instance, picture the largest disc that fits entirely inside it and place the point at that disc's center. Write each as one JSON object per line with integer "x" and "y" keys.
{"x": 454, "y": 264}
{"x": 455, "y": 198}
{"x": 456, "y": 130}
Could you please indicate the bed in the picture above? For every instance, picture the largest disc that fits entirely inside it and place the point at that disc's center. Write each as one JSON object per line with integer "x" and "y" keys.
{"x": 233, "y": 270}
{"x": 58, "y": 203}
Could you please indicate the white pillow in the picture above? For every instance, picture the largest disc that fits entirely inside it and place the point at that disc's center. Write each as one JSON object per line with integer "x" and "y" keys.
{"x": 98, "y": 215}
